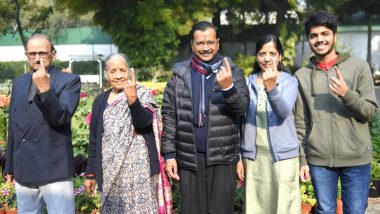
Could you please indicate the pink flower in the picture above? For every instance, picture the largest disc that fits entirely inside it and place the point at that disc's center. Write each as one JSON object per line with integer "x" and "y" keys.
{"x": 88, "y": 118}
{"x": 154, "y": 91}
{"x": 5, "y": 191}
{"x": 83, "y": 95}
{"x": 239, "y": 184}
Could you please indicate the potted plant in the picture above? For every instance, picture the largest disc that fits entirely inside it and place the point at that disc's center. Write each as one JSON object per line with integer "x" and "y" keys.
{"x": 339, "y": 203}
{"x": 2, "y": 209}
{"x": 374, "y": 190}
{"x": 8, "y": 197}
{"x": 84, "y": 201}
{"x": 308, "y": 200}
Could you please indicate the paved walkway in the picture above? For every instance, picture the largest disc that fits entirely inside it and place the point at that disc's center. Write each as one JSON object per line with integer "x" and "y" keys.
{"x": 373, "y": 206}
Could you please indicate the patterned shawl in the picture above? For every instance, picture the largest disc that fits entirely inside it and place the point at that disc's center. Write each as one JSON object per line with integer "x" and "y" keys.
{"x": 127, "y": 184}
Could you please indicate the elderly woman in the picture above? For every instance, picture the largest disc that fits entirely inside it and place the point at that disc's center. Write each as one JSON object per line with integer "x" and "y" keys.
{"x": 270, "y": 148}
{"x": 123, "y": 158}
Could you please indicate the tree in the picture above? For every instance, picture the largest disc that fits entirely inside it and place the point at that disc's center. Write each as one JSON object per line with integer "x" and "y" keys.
{"x": 24, "y": 15}
{"x": 370, "y": 8}
{"x": 27, "y": 17}
{"x": 345, "y": 9}
{"x": 144, "y": 30}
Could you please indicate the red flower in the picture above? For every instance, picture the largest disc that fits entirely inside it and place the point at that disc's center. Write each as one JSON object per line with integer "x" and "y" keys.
{"x": 239, "y": 183}
{"x": 88, "y": 118}
{"x": 4, "y": 101}
{"x": 83, "y": 94}
{"x": 154, "y": 91}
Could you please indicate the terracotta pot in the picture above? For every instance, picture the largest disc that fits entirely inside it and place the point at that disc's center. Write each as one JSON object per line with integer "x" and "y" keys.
{"x": 339, "y": 206}
{"x": 2, "y": 210}
{"x": 306, "y": 208}
{"x": 11, "y": 211}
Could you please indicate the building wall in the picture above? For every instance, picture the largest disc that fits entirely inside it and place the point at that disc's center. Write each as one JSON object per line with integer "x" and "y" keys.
{"x": 64, "y": 52}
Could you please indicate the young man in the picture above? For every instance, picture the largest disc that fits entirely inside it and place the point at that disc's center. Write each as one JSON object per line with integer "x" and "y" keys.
{"x": 336, "y": 100}
{"x": 202, "y": 103}
{"x": 39, "y": 151}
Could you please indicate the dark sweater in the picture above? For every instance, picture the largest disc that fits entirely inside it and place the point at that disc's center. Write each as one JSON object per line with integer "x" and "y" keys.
{"x": 142, "y": 122}
{"x": 201, "y": 132}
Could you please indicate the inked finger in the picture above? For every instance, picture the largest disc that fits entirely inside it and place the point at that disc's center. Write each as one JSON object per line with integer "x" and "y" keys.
{"x": 132, "y": 74}
{"x": 228, "y": 67}
{"x": 42, "y": 64}
{"x": 338, "y": 73}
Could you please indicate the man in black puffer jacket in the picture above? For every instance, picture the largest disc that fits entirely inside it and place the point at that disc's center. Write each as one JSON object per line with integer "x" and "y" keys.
{"x": 202, "y": 103}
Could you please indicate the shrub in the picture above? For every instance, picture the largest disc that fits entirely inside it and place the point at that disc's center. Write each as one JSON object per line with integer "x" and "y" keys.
{"x": 84, "y": 201}
{"x": 307, "y": 193}
{"x": 245, "y": 63}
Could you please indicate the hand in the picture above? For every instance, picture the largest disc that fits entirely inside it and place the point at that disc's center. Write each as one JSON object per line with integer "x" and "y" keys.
{"x": 304, "y": 173}
{"x": 171, "y": 169}
{"x": 10, "y": 179}
{"x": 89, "y": 185}
{"x": 130, "y": 87}
{"x": 240, "y": 170}
{"x": 224, "y": 76}
{"x": 338, "y": 85}
{"x": 270, "y": 77}
{"x": 41, "y": 78}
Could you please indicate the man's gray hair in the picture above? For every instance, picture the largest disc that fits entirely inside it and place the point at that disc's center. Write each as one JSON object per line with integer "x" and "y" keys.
{"x": 39, "y": 36}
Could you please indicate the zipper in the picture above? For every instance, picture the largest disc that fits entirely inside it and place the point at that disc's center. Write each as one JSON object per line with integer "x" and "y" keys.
{"x": 332, "y": 155}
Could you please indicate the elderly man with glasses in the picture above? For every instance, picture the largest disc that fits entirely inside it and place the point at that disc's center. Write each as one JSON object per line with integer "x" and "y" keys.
{"x": 39, "y": 152}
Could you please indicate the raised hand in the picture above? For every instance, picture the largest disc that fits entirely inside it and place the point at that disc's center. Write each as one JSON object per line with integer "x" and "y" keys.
{"x": 270, "y": 76}
{"x": 130, "y": 87}
{"x": 41, "y": 78}
{"x": 338, "y": 85}
{"x": 224, "y": 76}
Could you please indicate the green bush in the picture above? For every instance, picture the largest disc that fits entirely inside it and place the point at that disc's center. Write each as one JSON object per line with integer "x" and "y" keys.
{"x": 374, "y": 127}
{"x": 245, "y": 63}
{"x": 13, "y": 69}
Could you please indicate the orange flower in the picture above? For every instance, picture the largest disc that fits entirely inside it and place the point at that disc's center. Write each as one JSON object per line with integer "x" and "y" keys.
{"x": 4, "y": 101}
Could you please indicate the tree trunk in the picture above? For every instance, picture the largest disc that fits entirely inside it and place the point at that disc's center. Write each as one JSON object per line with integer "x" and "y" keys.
{"x": 369, "y": 46}
{"x": 18, "y": 22}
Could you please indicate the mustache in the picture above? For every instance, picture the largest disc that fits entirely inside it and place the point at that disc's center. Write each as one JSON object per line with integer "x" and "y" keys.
{"x": 206, "y": 52}
{"x": 318, "y": 43}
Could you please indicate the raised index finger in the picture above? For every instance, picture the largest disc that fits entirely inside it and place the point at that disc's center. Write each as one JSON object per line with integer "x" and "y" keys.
{"x": 338, "y": 74}
{"x": 41, "y": 69}
{"x": 132, "y": 75}
{"x": 228, "y": 68}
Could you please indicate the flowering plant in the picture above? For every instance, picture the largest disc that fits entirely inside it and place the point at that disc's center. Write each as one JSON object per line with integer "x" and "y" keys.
{"x": 5, "y": 99}
{"x": 84, "y": 201}
{"x": 4, "y": 104}
{"x": 80, "y": 123}
{"x": 307, "y": 193}
{"x": 8, "y": 195}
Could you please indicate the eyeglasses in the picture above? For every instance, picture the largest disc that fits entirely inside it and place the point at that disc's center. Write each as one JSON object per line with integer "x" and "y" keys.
{"x": 202, "y": 44}
{"x": 34, "y": 54}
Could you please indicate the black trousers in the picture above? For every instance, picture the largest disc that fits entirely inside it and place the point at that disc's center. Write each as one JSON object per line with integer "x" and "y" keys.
{"x": 210, "y": 190}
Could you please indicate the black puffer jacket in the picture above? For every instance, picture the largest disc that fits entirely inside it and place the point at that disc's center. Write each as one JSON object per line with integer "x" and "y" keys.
{"x": 223, "y": 128}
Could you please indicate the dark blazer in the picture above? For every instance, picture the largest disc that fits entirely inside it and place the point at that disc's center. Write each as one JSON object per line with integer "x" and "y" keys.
{"x": 39, "y": 147}
{"x": 142, "y": 122}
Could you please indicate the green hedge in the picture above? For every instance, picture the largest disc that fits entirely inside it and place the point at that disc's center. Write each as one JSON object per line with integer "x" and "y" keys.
{"x": 10, "y": 70}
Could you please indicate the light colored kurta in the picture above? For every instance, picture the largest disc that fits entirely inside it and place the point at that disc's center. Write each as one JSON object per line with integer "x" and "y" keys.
{"x": 271, "y": 187}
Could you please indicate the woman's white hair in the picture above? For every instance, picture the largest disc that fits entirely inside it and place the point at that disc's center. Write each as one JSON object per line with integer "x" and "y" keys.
{"x": 115, "y": 56}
